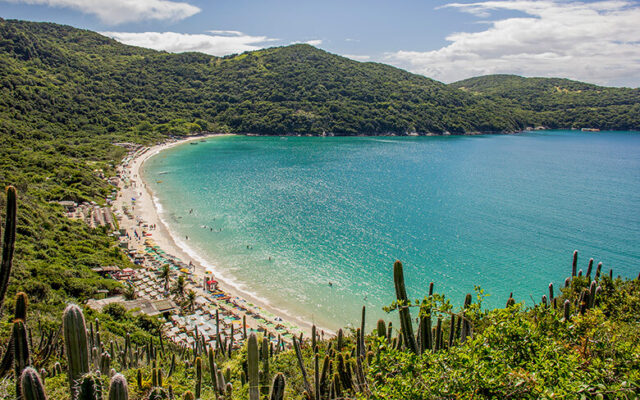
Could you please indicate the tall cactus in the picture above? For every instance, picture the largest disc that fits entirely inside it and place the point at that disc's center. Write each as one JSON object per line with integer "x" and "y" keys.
{"x": 252, "y": 367}
{"x": 303, "y": 370}
{"x": 75, "y": 343}
{"x": 405, "y": 315}
{"x": 89, "y": 388}
{"x": 277, "y": 387}
{"x": 574, "y": 266}
{"x": 21, "y": 352}
{"x": 381, "y": 329}
{"x": 8, "y": 244}
{"x": 31, "y": 385}
{"x": 118, "y": 388}
{"x": 466, "y": 325}
{"x": 22, "y": 301}
{"x": 198, "y": 377}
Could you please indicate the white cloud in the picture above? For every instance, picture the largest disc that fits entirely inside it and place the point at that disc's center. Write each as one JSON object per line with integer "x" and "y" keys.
{"x": 120, "y": 11}
{"x": 226, "y": 33}
{"x": 357, "y": 57}
{"x": 217, "y": 45}
{"x": 596, "y": 42}
{"x": 314, "y": 42}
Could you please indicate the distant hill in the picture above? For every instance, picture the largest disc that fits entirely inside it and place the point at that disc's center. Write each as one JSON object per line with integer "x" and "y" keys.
{"x": 84, "y": 81}
{"x": 556, "y": 103}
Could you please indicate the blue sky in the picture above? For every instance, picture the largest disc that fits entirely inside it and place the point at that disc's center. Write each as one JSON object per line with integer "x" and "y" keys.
{"x": 593, "y": 41}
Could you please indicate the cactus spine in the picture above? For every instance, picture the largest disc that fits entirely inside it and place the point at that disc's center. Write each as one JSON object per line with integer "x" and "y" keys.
{"x": 75, "y": 343}
{"x": 31, "y": 385}
{"x": 118, "y": 388}
{"x": 403, "y": 305}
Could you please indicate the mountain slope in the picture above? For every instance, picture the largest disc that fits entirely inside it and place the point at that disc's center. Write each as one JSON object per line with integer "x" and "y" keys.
{"x": 84, "y": 79}
{"x": 556, "y": 102}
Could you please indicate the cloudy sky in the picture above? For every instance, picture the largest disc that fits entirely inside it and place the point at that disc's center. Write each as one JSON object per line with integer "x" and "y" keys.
{"x": 592, "y": 41}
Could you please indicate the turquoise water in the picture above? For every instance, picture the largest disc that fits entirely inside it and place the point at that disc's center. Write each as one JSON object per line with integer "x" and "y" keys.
{"x": 502, "y": 212}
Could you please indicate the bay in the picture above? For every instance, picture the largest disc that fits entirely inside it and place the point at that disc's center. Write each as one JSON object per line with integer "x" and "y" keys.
{"x": 284, "y": 217}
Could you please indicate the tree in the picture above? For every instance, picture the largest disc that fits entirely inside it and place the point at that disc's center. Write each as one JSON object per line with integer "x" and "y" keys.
{"x": 179, "y": 288}
{"x": 191, "y": 300}
{"x": 129, "y": 293}
{"x": 165, "y": 274}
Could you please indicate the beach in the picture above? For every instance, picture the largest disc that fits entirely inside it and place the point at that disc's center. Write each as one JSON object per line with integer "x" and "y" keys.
{"x": 135, "y": 207}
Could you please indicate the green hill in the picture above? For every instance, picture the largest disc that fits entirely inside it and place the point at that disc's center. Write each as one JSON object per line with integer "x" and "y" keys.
{"x": 82, "y": 80}
{"x": 560, "y": 103}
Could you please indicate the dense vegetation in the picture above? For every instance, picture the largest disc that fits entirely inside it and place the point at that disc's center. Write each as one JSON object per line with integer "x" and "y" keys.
{"x": 66, "y": 95}
{"x": 560, "y": 103}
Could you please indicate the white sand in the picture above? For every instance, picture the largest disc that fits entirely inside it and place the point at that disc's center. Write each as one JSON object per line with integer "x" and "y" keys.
{"x": 147, "y": 211}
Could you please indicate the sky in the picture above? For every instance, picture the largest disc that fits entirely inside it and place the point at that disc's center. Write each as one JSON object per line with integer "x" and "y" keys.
{"x": 590, "y": 41}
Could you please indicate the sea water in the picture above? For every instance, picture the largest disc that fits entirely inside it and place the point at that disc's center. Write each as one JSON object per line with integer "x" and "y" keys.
{"x": 313, "y": 224}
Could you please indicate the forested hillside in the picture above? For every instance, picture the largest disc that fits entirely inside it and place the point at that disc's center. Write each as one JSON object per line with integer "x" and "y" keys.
{"x": 560, "y": 103}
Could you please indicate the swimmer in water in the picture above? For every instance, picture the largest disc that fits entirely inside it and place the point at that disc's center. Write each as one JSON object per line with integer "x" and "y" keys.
{"x": 331, "y": 284}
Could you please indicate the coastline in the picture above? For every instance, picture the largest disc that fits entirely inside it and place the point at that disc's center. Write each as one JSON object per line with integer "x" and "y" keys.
{"x": 146, "y": 209}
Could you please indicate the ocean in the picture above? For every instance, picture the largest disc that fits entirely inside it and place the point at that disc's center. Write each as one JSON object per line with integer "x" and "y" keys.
{"x": 312, "y": 225}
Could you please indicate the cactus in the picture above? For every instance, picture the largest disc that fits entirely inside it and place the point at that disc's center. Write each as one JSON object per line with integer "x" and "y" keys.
{"x": 438, "y": 334}
{"x": 158, "y": 393}
{"x": 188, "y": 396}
{"x": 31, "y": 385}
{"x": 592, "y": 292}
{"x": 277, "y": 387}
{"x": 75, "y": 343}
{"x": 118, "y": 388}
{"x": 324, "y": 375}
{"x": 381, "y": 329}
{"x": 22, "y": 302}
{"x": 510, "y": 301}
{"x": 21, "y": 357}
{"x": 466, "y": 325}
{"x": 313, "y": 337}
{"x": 264, "y": 355}
{"x": 89, "y": 388}
{"x": 452, "y": 329}
{"x": 198, "y": 377}
{"x": 551, "y": 293}
{"x": 8, "y": 244}
{"x": 566, "y": 310}
{"x": 403, "y": 305}
{"x": 252, "y": 366}
{"x": 589, "y": 267}
{"x": 340, "y": 341}
{"x": 105, "y": 362}
{"x": 296, "y": 346}
{"x": 361, "y": 336}
{"x": 574, "y": 266}
{"x": 213, "y": 370}
{"x": 598, "y": 270}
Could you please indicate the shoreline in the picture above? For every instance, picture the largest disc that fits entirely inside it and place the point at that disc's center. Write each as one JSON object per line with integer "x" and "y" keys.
{"x": 146, "y": 209}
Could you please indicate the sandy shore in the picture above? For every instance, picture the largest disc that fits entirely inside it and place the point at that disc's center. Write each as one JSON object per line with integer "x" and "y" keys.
{"x": 145, "y": 209}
